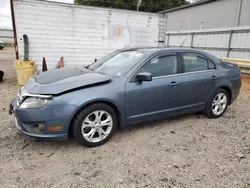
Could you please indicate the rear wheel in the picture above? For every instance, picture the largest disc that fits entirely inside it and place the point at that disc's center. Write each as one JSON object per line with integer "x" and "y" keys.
{"x": 94, "y": 125}
{"x": 217, "y": 104}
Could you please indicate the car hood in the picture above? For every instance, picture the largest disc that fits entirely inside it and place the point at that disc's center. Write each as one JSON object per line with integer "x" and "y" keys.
{"x": 58, "y": 81}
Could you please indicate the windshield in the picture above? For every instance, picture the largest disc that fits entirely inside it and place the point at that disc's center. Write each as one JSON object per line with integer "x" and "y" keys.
{"x": 117, "y": 63}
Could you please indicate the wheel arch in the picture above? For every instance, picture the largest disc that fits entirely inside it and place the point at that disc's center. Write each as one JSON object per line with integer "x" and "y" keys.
{"x": 229, "y": 91}
{"x": 107, "y": 102}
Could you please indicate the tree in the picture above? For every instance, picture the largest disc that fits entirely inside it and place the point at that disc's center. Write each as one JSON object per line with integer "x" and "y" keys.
{"x": 146, "y": 5}
{"x": 177, "y": 3}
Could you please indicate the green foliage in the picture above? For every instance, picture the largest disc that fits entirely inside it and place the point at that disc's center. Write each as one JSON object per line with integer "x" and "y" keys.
{"x": 146, "y": 5}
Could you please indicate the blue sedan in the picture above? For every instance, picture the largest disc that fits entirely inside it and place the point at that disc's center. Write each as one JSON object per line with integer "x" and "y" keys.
{"x": 126, "y": 87}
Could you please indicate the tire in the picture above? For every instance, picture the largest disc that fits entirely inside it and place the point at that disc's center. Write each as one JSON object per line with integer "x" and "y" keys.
{"x": 210, "y": 110}
{"x": 1, "y": 76}
{"x": 97, "y": 122}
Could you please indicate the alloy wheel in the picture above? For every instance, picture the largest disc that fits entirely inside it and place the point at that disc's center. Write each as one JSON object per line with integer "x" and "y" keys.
{"x": 97, "y": 126}
{"x": 219, "y": 104}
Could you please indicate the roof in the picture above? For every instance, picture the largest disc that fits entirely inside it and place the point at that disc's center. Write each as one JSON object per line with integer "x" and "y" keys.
{"x": 158, "y": 48}
{"x": 151, "y": 50}
{"x": 188, "y": 6}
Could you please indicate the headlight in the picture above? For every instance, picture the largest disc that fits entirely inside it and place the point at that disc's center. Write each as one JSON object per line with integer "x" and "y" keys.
{"x": 34, "y": 102}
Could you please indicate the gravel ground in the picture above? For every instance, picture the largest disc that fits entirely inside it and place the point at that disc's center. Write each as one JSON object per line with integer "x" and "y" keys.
{"x": 187, "y": 151}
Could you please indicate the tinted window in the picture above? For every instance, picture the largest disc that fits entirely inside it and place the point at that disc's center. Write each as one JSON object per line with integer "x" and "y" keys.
{"x": 194, "y": 62}
{"x": 161, "y": 66}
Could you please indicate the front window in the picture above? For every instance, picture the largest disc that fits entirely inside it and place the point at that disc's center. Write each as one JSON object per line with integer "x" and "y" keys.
{"x": 117, "y": 63}
{"x": 161, "y": 66}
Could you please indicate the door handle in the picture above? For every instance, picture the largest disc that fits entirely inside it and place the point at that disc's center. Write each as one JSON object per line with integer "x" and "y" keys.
{"x": 213, "y": 77}
{"x": 172, "y": 84}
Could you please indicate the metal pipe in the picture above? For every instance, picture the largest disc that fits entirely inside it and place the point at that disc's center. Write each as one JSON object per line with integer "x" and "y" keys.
{"x": 218, "y": 48}
{"x": 240, "y": 49}
{"x": 210, "y": 32}
{"x": 14, "y": 27}
{"x": 192, "y": 40}
{"x": 229, "y": 43}
{"x": 168, "y": 40}
{"x": 239, "y": 14}
{"x": 166, "y": 28}
{"x": 241, "y": 31}
{"x": 200, "y": 32}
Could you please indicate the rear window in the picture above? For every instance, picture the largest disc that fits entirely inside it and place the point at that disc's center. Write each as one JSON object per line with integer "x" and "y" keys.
{"x": 196, "y": 62}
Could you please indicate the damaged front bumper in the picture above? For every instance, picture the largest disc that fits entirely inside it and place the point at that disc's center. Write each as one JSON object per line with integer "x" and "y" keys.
{"x": 35, "y": 122}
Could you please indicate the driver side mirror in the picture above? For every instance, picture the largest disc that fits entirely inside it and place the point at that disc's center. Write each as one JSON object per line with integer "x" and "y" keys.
{"x": 144, "y": 76}
{"x": 95, "y": 60}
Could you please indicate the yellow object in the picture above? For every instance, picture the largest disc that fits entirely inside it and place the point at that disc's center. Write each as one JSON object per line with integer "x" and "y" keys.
{"x": 24, "y": 70}
{"x": 241, "y": 62}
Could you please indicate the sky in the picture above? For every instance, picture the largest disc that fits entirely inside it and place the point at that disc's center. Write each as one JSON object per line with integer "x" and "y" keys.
{"x": 5, "y": 15}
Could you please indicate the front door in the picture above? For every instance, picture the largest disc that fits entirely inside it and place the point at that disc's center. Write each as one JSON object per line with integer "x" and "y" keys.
{"x": 157, "y": 98}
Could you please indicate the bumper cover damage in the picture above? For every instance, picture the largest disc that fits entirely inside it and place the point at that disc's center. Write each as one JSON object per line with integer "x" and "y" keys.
{"x": 25, "y": 117}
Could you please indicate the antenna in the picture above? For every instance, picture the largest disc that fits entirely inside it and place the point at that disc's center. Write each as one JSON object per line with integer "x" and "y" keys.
{"x": 183, "y": 41}
{"x": 189, "y": 25}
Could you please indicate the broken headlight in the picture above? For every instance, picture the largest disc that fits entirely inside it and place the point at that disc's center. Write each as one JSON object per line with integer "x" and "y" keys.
{"x": 34, "y": 102}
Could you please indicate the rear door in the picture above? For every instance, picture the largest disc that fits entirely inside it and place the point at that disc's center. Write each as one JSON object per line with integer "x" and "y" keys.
{"x": 199, "y": 81}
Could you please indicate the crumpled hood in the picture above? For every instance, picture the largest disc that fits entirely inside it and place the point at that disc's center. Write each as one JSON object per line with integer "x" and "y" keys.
{"x": 61, "y": 80}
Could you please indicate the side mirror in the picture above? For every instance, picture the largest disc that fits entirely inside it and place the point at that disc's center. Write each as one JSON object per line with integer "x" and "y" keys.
{"x": 144, "y": 76}
{"x": 95, "y": 60}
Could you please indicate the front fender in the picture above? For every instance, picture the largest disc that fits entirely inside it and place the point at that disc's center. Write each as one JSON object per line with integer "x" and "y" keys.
{"x": 114, "y": 95}
{"x": 111, "y": 103}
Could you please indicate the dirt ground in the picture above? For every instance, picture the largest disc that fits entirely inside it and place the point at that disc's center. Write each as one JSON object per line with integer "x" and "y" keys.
{"x": 187, "y": 151}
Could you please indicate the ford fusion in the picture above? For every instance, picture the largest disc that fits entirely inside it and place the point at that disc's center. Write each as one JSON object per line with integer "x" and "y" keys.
{"x": 123, "y": 88}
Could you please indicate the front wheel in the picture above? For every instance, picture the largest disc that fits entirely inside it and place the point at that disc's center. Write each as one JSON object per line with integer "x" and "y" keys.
{"x": 94, "y": 125}
{"x": 217, "y": 104}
